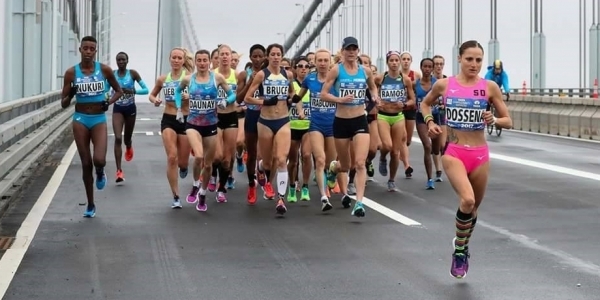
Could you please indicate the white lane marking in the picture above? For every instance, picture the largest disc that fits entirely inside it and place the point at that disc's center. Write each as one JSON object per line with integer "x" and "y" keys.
{"x": 528, "y": 242}
{"x": 540, "y": 165}
{"x": 139, "y": 133}
{"x": 146, "y": 119}
{"x": 12, "y": 258}
{"x": 565, "y": 257}
{"x": 392, "y": 214}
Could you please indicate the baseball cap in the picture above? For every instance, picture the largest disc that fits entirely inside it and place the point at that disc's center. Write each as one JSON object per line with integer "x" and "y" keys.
{"x": 349, "y": 41}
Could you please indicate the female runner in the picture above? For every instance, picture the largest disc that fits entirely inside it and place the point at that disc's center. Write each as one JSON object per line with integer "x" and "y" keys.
{"x": 431, "y": 146}
{"x": 438, "y": 73}
{"x": 322, "y": 115}
{"x": 240, "y": 154}
{"x": 300, "y": 140}
{"x": 202, "y": 121}
{"x": 227, "y": 127}
{"x": 466, "y": 159}
{"x": 257, "y": 56}
{"x": 374, "y": 141}
{"x": 396, "y": 93}
{"x": 214, "y": 59}
{"x": 172, "y": 125}
{"x": 235, "y": 59}
{"x": 410, "y": 113}
{"x": 87, "y": 82}
{"x": 124, "y": 110}
{"x": 274, "y": 85}
{"x": 350, "y": 127}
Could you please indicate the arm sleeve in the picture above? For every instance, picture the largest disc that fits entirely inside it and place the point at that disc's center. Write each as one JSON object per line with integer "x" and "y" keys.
{"x": 143, "y": 88}
{"x": 178, "y": 92}
{"x": 230, "y": 96}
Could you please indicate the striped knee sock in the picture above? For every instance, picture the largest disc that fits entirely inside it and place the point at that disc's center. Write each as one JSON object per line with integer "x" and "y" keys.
{"x": 463, "y": 226}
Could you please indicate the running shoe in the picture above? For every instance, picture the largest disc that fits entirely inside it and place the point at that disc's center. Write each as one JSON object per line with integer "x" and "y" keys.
{"x": 221, "y": 198}
{"x": 100, "y": 181}
{"x": 331, "y": 174}
{"x": 304, "y": 194}
{"x": 391, "y": 186}
{"x": 201, "y": 205}
{"x": 370, "y": 169}
{"x": 291, "y": 197}
{"x": 325, "y": 204}
{"x": 430, "y": 184}
{"x": 90, "y": 211}
{"x": 120, "y": 176}
{"x": 183, "y": 173}
{"x": 408, "y": 172}
{"x": 251, "y": 195}
{"x": 383, "y": 167}
{"x": 351, "y": 189}
{"x": 230, "y": 185}
{"x": 346, "y": 201}
{"x": 176, "y": 203}
{"x": 193, "y": 196}
{"x": 212, "y": 184}
{"x": 269, "y": 192}
{"x": 129, "y": 154}
{"x": 280, "y": 207}
{"x": 460, "y": 263}
{"x": 438, "y": 176}
{"x": 358, "y": 210}
{"x": 240, "y": 163}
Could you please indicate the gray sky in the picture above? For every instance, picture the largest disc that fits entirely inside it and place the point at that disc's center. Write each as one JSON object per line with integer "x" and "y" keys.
{"x": 135, "y": 31}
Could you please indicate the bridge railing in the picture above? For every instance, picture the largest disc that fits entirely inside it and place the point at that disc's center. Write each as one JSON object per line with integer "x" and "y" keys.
{"x": 565, "y": 116}
{"x": 29, "y": 129}
{"x": 555, "y": 92}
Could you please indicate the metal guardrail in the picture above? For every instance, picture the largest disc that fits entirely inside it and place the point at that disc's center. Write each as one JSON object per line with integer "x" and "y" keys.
{"x": 29, "y": 128}
{"x": 555, "y": 92}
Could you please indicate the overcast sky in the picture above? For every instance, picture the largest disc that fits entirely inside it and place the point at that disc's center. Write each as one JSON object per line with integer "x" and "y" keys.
{"x": 264, "y": 21}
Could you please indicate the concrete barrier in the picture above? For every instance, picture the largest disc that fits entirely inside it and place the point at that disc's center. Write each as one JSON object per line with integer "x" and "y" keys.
{"x": 564, "y": 116}
{"x": 26, "y": 139}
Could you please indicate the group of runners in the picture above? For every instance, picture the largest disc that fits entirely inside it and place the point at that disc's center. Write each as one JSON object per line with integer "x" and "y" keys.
{"x": 278, "y": 119}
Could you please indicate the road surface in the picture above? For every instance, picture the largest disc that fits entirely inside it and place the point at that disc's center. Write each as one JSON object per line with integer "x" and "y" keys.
{"x": 536, "y": 238}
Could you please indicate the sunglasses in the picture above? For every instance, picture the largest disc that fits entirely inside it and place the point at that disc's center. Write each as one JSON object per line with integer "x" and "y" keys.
{"x": 302, "y": 66}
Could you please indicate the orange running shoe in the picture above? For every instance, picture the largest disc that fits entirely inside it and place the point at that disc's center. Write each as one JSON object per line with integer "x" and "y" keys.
{"x": 336, "y": 188}
{"x": 129, "y": 154}
{"x": 269, "y": 192}
{"x": 245, "y": 157}
{"x": 251, "y": 196}
{"x": 120, "y": 176}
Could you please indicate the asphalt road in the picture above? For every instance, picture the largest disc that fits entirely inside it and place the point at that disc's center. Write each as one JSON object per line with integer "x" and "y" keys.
{"x": 536, "y": 236}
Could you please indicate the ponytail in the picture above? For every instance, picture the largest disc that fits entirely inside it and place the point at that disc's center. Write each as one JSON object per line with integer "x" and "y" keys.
{"x": 188, "y": 64}
{"x": 264, "y": 64}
